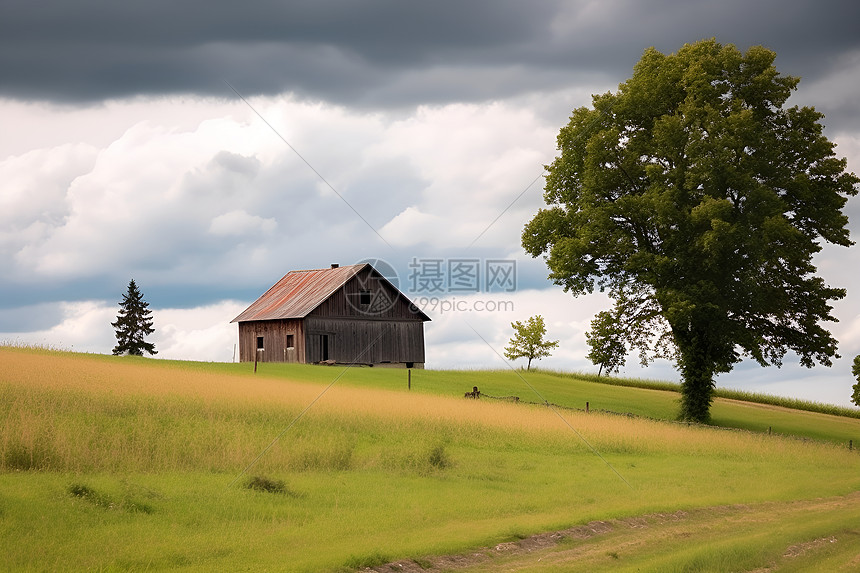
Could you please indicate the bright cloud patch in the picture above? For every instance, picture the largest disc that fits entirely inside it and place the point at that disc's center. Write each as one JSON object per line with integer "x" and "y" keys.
{"x": 203, "y": 332}
{"x": 412, "y": 227}
{"x": 239, "y": 223}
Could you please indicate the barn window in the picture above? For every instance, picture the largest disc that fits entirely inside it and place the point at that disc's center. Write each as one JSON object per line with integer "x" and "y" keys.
{"x": 259, "y": 343}
{"x": 364, "y": 297}
{"x": 290, "y": 341}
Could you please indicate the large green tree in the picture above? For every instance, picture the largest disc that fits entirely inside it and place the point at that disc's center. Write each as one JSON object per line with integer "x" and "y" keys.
{"x": 133, "y": 323}
{"x": 697, "y": 199}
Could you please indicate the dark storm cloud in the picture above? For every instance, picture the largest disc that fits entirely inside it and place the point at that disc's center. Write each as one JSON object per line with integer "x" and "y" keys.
{"x": 333, "y": 50}
{"x": 384, "y": 53}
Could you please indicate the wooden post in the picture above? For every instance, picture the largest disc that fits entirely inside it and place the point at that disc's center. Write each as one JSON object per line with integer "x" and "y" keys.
{"x": 409, "y": 378}
{"x": 850, "y": 445}
{"x": 256, "y": 355}
{"x": 586, "y": 407}
{"x": 768, "y": 430}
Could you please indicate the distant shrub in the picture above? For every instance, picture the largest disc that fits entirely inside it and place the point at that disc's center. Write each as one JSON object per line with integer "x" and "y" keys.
{"x": 438, "y": 457}
{"x": 98, "y": 499}
{"x": 89, "y": 494}
{"x": 79, "y": 490}
{"x": 261, "y": 483}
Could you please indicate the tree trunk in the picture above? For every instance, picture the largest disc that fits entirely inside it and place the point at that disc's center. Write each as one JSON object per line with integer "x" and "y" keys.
{"x": 529, "y": 365}
{"x": 697, "y": 392}
{"x": 697, "y": 372}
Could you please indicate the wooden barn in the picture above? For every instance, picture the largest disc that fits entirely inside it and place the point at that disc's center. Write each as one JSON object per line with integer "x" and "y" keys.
{"x": 350, "y": 315}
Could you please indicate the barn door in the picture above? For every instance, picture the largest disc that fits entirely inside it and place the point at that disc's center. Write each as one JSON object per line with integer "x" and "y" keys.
{"x": 324, "y": 346}
{"x": 318, "y": 348}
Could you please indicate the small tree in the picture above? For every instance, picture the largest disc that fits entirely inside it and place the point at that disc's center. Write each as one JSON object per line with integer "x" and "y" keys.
{"x": 856, "y": 371}
{"x": 528, "y": 341}
{"x": 606, "y": 340}
{"x": 133, "y": 323}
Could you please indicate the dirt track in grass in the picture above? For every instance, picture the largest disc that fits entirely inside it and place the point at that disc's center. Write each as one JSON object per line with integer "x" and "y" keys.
{"x": 634, "y": 541}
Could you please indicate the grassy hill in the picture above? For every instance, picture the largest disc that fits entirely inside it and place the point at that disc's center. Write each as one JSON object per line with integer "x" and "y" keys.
{"x": 131, "y": 464}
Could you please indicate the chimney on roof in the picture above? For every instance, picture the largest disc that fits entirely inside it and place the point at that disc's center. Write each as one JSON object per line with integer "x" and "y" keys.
{"x": 334, "y": 265}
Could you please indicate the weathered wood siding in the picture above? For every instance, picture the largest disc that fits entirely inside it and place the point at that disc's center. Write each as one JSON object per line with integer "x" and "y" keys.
{"x": 365, "y": 341}
{"x": 385, "y": 330}
{"x": 274, "y": 333}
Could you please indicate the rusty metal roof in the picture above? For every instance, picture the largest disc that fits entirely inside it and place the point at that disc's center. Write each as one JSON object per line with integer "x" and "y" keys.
{"x": 298, "y": 293}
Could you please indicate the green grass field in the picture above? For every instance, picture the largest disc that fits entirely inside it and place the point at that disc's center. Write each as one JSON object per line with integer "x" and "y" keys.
{"x": 118, "y": 464}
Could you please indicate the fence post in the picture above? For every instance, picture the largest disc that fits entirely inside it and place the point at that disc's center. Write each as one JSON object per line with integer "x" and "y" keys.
{"x": 586, "y": 407}
{"x": 409, "y": 379}
{"x": 850, "y": 445}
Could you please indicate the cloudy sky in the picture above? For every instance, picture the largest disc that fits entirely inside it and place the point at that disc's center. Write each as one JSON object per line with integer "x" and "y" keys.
{"x": 206, "y": 148}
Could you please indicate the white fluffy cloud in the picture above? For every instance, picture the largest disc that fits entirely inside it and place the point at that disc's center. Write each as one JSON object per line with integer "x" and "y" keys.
{"x": 175, "y": 199}
{"x": 478, "y": 159}
{"x": 82, "y": 326}
{"x": 203, "y": 332}
{"x": 239, "y": 223}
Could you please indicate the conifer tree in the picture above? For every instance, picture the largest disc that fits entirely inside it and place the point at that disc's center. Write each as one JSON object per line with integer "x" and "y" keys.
{"x": 133, "y": 323}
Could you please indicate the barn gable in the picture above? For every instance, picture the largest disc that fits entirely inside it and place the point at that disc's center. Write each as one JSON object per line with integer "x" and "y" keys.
{"x": 368, "y": 295}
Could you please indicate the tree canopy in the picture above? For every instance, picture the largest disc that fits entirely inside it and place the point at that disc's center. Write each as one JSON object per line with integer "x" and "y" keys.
{"x": 133, "y": 323}
{"x": 528, "y": 341}
{"x": 697, "y": 199}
